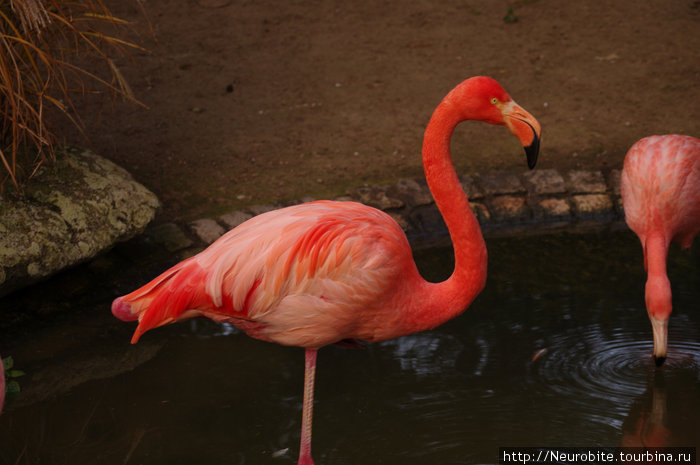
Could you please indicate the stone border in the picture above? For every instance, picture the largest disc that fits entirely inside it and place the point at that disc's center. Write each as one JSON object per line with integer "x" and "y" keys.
{"x": 503, "y": 202}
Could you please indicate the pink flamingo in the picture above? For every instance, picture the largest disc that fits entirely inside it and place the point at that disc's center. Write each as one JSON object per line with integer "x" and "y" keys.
{"x": 329, "y": 272}
{"x": 660, "y": 187}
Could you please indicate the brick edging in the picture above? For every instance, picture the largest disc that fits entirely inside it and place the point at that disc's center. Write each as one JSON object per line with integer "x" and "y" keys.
{"x": 503, "y": 202}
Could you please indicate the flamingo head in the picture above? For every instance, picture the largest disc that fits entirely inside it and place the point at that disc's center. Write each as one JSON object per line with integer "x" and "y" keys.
{"x": 490, "y": 103}
{"x": 658, "y": 301}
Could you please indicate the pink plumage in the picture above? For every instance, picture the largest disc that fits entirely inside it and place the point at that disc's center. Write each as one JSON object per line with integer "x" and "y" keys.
{"x": 327, "y": 272}
{"x": 660, "y": 186}
{"x": 296, "y": 276}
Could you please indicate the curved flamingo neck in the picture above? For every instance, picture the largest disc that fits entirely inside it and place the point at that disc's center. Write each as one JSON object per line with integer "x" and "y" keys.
{"x": 655, "y": 253}
{"x": 658, "y": 287}
{"x": 452, "y": 296}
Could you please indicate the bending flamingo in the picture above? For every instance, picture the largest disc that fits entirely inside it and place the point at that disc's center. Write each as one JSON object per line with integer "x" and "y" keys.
{"x": 661, "y": 196}
{"x": 328, "y": 272}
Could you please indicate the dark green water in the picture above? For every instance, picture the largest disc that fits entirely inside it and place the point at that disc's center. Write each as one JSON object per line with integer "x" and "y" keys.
{"x": 554, "y": 352}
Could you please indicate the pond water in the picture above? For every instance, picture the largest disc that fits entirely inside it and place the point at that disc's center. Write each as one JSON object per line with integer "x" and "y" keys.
{"x": 556, "y": 351}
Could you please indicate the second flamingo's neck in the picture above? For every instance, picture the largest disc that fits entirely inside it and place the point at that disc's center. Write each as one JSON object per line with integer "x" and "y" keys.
{"x": 658, "y": 286}
{"x": 452, "y": 296}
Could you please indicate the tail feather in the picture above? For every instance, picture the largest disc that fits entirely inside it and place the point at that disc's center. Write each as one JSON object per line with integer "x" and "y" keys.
{"x": 165, "y": 299}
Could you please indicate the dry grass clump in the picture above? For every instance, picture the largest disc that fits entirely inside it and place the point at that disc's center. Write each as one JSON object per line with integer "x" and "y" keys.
{"x": 40, "y": 43}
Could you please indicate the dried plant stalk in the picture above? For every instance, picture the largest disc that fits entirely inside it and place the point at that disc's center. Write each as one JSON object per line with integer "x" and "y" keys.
{"x": 39, "y": 39}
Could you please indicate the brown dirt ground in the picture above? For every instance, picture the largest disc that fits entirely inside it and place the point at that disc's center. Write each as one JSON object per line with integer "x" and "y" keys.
{"x": 262, "y": 101}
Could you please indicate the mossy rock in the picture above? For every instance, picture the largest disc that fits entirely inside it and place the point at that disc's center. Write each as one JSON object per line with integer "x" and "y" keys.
{"x": 70, "y": 212}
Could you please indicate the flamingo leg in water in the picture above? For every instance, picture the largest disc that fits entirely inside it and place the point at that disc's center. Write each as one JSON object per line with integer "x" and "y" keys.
{"x": 308, "y": 407}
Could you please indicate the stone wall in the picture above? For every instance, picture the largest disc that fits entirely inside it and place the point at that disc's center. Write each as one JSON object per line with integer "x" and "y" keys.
{"x": 538, "y": 200}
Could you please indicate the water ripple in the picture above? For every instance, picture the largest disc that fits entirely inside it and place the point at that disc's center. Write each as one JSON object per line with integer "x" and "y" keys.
{"x": 598, "y": 370}
{"x": 427, "y": 353}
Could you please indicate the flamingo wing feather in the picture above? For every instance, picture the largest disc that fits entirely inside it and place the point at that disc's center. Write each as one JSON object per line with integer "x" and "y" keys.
{"x": 295, "y": 276}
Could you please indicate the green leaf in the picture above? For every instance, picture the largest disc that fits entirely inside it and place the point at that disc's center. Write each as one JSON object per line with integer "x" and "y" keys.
{"x": 15, "y": 373}
{"x": 12, "y": 388}
{"x": 510, "y": 16}
{"x": 8, "y": 362}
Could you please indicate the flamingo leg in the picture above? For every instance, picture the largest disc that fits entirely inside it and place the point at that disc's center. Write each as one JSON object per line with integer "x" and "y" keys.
{"x": 308, "y": 407}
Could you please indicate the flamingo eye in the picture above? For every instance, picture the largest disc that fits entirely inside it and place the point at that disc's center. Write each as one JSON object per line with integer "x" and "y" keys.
{"x": 494, "y": 100}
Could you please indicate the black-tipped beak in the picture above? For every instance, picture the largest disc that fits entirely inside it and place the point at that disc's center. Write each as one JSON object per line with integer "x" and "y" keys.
{"x": 533, "y": 150}
{"x": 525, "y": 127}
{"x": 659, "y": 360}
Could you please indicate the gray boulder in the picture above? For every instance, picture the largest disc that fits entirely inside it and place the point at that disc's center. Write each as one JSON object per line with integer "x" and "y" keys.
{"x": 70, "y": 212}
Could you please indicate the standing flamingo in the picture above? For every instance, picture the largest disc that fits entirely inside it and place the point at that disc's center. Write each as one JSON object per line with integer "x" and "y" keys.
{"x": 661, "y": 196}
{"x": 329, "y": 272}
